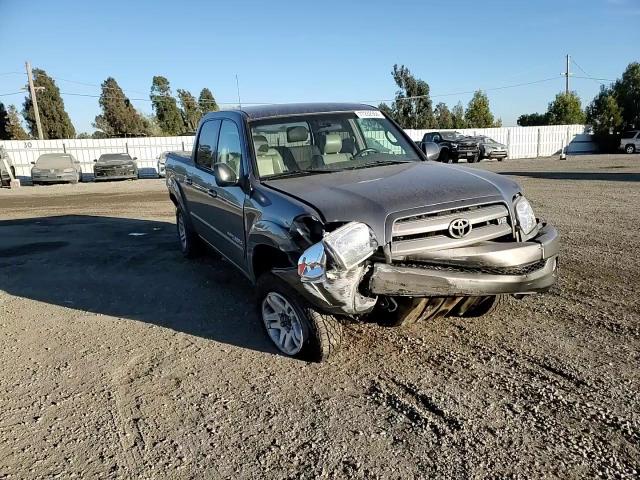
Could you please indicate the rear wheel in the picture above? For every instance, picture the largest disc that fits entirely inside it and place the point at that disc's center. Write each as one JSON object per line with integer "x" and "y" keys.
{"x": 630, "y": 149}
{"x": 190, "y": 245}
{"x": 295, "y": 327}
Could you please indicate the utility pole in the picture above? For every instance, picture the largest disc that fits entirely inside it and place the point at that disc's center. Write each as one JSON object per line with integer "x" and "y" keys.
{"x": 567, "y": 74}
{"x": 238, "y": 88}
{"x": 34, "y": 100}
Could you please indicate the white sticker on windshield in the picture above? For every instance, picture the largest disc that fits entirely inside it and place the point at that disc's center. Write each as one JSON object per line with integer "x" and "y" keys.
{"x": 369, "y": 114}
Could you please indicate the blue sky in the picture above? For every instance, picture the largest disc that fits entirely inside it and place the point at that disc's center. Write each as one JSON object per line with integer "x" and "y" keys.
{"x": 290, "y": 51}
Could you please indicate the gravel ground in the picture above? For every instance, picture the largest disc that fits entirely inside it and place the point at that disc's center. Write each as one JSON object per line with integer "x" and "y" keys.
{"x": 121, "y": 359}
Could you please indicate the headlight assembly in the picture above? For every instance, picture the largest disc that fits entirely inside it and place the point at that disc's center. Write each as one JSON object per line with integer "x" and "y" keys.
{"x": 350, "y": 244}
{"x": 347, "y": 246}
{"x": 68, "y": 170}
{"x": 526, "y": 217}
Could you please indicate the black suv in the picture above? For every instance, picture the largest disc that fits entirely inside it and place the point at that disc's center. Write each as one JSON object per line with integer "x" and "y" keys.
{"x": 453, "y": 146}
{"x": 335, "y": 214}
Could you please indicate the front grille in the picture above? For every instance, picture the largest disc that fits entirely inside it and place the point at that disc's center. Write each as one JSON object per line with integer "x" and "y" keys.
{"x": 517, "y": 270}
{"x": 430, "y": 232}
{"x": 467, "y": 147}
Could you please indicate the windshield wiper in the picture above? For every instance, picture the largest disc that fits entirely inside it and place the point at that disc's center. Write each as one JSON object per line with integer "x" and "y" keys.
{"x": 298, "y": 173}
{"x": 376, "y": 163}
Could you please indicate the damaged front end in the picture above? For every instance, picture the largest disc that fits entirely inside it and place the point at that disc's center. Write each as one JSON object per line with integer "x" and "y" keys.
{"x": 330, "y": 272}
{"x": 497, "y": 252}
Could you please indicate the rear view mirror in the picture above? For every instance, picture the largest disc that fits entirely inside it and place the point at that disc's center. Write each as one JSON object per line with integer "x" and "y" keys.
{"x": 431, "y": 150}
{"x": 225, "y": 176}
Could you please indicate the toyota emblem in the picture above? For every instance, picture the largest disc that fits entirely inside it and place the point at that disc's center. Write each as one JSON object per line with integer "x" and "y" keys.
{"x": 460, "y": 228}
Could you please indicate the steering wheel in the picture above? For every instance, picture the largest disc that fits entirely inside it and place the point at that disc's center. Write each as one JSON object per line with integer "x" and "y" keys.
{"x": 365, "y": 150}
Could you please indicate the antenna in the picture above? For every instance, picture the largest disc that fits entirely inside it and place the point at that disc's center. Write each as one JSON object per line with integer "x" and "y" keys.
{"x": 238, "y": 88}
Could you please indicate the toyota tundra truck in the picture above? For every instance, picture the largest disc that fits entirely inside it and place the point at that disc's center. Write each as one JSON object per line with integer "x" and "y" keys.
{"x": 335, "y": 216}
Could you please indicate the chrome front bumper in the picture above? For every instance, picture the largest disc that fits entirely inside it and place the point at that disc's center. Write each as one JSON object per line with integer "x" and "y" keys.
{"x": 491, "y": 268}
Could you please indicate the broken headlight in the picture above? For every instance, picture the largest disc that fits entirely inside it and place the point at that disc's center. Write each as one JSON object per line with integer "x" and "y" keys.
{"x": 347, "y": 246}
{"x": 350, "y": 244}
{"x": 526, "y": 217}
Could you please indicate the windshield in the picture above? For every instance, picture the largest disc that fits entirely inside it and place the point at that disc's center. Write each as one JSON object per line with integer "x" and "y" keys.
{"x": 320, "y": 143}
{"x": 114, "y": 156}
{"x": 452, "y": 135}
{"x": 54, "y": 160}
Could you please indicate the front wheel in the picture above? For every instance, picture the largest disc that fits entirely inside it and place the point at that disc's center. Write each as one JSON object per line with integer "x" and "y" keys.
{"x": 295, "y": 327}
{"x": 444, "y": 156}
{"x": 630, "y": 149}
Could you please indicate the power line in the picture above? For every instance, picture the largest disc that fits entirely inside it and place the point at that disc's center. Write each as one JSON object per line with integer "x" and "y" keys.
{"x": 9, "y": 94}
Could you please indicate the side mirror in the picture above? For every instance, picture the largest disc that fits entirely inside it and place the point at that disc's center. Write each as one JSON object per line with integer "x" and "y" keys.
{"x": 95, "y": 160}
{"x": 225, "y": 176}
{"x": 135, "y": 158}
{"x": 33, "y": 163}
{"x": 431, "y": 150}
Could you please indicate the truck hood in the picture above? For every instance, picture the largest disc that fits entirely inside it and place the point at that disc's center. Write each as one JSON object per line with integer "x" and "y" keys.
{"x": 372, "y": 195}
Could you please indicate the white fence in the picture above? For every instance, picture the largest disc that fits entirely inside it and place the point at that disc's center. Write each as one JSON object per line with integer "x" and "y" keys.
{"x": 523, "y": 142}
{"x": 146, "y": 150}
{"x": 532, "y": 142}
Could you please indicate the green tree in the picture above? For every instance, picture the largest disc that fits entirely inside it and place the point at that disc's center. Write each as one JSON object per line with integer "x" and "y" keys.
{"x": 207, "y": 102}
{"x": 54, "y": 118}
{"x": 627, "y": 93}
{"x": 190, "y": 110}
{"x": 533, "y": 119}
{"x": 478, "y": 114}
{"x": 165, "y": 107}
{"x": 151, "y": 124}
{"x": 4, "y": 132}
{"x": 443, "y": 116}
{"x": 457, "y": 116}
{"x": 118, "y": 117}
{"x": 83, "y": 135}
{"x": 566, "y": 109}
{"x": 604, "y": 113}
{"x": 412, "y": 107}
{"x": 13, "y": 125}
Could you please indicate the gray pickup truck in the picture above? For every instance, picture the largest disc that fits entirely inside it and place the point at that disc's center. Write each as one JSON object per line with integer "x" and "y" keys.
{"x": 336, "y": 215}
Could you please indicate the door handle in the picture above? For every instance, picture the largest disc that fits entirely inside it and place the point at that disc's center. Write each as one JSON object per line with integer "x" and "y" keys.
{"x": 188, "y": 180}
{"x": 212, "y": 193}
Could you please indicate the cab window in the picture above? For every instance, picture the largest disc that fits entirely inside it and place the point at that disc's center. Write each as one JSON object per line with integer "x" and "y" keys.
{"x": 207, "y": 143}
{"x": 229, "y": 149}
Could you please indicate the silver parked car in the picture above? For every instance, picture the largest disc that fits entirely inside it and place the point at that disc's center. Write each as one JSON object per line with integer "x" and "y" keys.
{"x": 630, "y": 141}
{"x": 5, "y": 178}
{"x": 56, "y": 168}
{"x": 489, "y": 148}
{"x": 162, "y": 159}
{"x": 115, "y": 166}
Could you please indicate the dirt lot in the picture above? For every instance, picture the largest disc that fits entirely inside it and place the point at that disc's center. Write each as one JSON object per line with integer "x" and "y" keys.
{"x": 122, "y": 359}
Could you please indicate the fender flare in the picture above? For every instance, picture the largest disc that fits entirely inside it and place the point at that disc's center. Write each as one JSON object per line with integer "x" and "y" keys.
{"x": 269, "y": 234}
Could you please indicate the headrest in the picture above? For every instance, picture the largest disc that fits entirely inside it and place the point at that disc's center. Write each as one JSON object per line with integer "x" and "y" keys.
{"x": 348, "y": 145}
{"x": 297, "y": 134}
{"x": 332, "y": 143}
{"x": 260, "y": 143}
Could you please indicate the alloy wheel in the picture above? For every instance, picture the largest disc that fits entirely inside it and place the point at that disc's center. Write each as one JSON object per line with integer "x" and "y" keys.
{"x": 282, "y": 323}
{"x": 182, "y": 232}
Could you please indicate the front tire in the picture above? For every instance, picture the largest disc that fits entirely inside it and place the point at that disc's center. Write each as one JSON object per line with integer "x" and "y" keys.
{"x": 630, "y": 149}
{"x": 444, "y": 156}
{"x": 295, "y": 327}
{"x": 188, "y": 239}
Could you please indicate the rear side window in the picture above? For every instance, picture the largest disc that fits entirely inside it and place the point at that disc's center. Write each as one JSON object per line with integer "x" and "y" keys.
{"x": 229, "y": 150}
{"x": 207, "y": 143}
{"x": 629, "y": 134}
